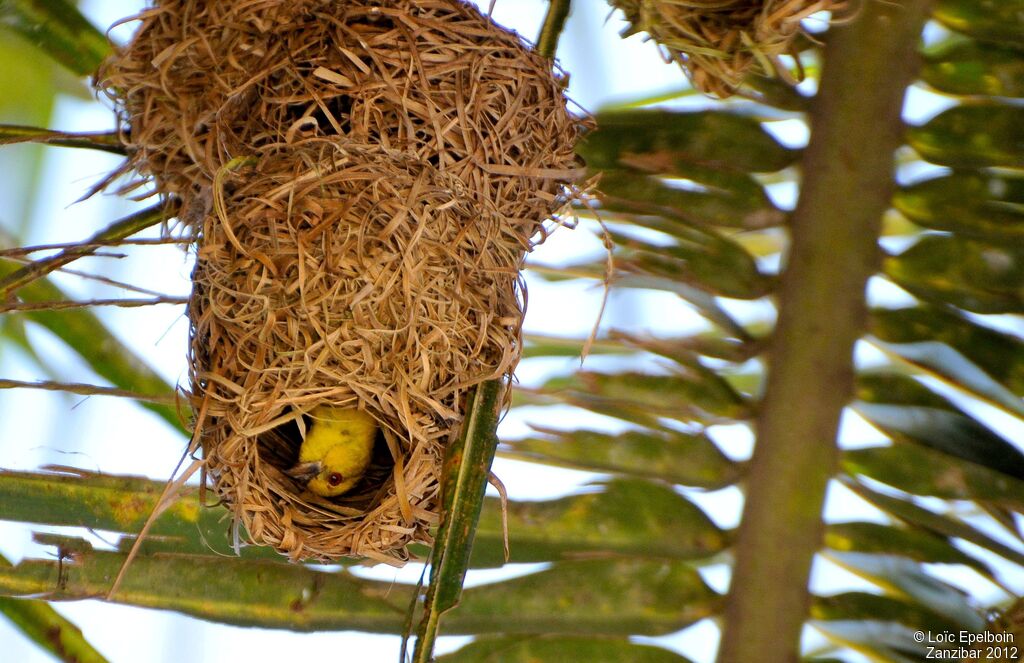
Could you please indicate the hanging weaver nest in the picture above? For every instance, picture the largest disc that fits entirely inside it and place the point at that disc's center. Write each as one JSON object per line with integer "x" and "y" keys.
{"x": 717, "y": 42}
{"x": 364, "y": 179}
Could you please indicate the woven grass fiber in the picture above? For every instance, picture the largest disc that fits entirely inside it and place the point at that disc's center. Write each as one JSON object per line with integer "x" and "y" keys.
{"x": 365, "y": 179}
{"x": 718, "y": 42}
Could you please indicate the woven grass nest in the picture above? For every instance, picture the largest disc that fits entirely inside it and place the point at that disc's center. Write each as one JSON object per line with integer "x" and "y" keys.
{"x": 718, "y": 42}
{"x": 364, "y": 180}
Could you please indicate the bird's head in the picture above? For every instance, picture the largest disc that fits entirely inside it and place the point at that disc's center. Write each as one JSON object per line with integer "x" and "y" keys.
{"x": 336, "y": 451}
{"x": 319, "y": 478}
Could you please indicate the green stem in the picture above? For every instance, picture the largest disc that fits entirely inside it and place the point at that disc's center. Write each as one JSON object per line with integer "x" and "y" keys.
{"x": 466, "y": 468}
{"x": 107, "y": 141}
{"x": 848, "y": 182}
{"x": 554, "y": 22}
{"x": 47, "y": 628}
{"x": 58, "y": 29}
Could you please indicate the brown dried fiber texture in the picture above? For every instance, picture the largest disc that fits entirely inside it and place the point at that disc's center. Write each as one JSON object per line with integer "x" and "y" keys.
{"x": 718, "y": 42}
{"x": 366, "y": 178}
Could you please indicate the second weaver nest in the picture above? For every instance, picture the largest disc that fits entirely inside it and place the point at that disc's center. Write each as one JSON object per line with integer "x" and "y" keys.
{"x": 719, "y": 42}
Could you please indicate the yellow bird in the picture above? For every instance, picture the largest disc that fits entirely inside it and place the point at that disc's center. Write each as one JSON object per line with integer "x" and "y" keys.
{"x": 337, "y": 450}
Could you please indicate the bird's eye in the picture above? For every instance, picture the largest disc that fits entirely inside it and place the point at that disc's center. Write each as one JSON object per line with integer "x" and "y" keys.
{"x": 334, "y": 478}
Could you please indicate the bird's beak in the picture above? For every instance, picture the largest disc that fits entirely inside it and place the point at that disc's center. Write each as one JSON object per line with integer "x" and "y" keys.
{"x": 304, "y": 472}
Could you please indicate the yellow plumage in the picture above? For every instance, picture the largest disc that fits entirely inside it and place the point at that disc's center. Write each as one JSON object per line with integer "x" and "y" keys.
{"x": 337, "y": 450}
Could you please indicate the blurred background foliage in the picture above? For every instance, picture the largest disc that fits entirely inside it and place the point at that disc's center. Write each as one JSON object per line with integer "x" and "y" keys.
{"x": 691, "y": 212}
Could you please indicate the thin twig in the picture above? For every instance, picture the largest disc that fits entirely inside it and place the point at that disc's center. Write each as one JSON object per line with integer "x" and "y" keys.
{"x": 120, "y": 229}
{"x": 104, "y": 141}
{"x": 102, "y": 279}
{"x": 85, "y": 390}
{"x": 151, "y": 241}
{"x": 22, "y": 307}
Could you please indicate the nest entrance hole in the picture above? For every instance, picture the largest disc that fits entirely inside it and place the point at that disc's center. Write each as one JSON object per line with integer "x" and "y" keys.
{"x": 279, "y": 447}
